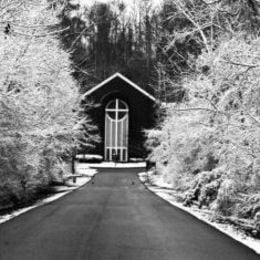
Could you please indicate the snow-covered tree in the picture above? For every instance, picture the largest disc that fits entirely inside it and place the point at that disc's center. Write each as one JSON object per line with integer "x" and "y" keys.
{"x": 40, "y": 124}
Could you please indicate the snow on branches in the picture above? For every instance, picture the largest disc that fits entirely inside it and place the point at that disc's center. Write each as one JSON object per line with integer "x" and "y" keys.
{"x": 39, "y": 99}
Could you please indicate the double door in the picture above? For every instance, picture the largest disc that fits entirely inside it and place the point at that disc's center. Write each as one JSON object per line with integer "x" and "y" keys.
{"x": 116, "y": 130}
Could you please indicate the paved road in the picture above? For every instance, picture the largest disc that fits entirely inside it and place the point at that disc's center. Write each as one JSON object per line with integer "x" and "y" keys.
{"x": 114, "y": 218}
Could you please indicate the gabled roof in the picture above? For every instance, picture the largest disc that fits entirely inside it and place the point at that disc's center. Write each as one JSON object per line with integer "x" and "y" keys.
{"x": 119, "y": 75}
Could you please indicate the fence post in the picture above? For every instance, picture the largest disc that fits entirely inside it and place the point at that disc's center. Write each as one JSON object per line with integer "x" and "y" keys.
{"x": 73, "y": 167}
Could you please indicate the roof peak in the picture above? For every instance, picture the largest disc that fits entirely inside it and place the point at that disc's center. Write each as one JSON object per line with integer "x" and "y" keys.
{"x": 124, "y": 78}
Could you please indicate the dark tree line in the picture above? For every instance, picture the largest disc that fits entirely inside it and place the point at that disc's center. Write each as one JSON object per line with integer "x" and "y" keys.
{"x": 155, "y": 46}
{"x": 111, "y": 37}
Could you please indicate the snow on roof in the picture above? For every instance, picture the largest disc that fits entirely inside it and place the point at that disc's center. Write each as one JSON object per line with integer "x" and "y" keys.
{"x": 119, "y": 75}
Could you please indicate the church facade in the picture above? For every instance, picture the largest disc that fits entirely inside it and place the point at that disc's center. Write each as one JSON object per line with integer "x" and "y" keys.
{"x": 122, "y": 112}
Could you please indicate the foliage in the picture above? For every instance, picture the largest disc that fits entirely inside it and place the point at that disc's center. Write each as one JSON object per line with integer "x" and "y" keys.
{"x": 189, "y": 27}
{"x": 39, "y": 112}
{"x": 217, "y": 124}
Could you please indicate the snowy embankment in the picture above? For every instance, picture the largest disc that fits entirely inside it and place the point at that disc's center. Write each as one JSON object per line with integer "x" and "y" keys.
{"x": 85, "y": 173}
{"x": 165, "y": 191}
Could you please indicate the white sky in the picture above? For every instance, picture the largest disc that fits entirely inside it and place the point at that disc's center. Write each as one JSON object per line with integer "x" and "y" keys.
{"x": 127, "y": 2}
{"x": 131, "y": 10}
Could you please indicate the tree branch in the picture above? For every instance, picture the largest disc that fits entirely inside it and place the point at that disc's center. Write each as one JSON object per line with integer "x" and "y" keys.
{"x": 43, "y": 34}
{"x": 188, "y": 16}
{"x": 201, "y": 109}
{"x": 242, "y": 64}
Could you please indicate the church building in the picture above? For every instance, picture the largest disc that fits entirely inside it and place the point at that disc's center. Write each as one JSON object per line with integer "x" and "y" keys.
{"x": 123, "y": 111}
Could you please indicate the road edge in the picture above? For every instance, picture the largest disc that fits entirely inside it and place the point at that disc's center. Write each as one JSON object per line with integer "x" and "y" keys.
{"x": 42, "y": 202}
{"x": 201, "y": 218}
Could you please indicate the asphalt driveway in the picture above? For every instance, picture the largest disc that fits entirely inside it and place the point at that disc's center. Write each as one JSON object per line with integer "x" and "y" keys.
{"x": 114, "y": 217}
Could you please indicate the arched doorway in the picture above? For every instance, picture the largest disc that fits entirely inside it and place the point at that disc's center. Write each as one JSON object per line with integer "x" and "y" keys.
{"x": 116, "y": 130}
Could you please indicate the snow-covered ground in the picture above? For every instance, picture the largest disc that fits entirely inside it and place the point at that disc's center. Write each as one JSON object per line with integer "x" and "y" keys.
{"x": 84, "y": 169}
{"x": 115, "y": 165}
{"x": 86, "y": 173}
{"x": 161, "y": 189}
